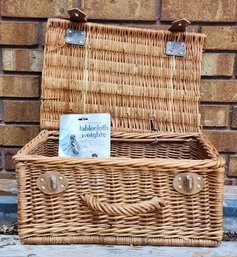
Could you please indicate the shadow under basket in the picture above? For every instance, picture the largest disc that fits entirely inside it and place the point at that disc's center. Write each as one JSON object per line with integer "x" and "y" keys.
{"x": 156, "y": 189}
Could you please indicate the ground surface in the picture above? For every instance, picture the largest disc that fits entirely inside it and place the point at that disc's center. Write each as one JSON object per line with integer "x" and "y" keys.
{"x": 10, "y": 246}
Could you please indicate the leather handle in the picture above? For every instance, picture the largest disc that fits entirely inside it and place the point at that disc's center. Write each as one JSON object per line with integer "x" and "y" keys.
{"x": 77, "y": 15}
{"x": 179, "y": 25}
{"x": 122, "y": 209}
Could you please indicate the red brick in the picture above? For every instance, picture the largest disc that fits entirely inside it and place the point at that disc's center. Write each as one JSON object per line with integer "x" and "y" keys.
{"x": 218, "y": 64}
{"x": 22, "y": 60}
{"x": 120, "y": 10}
{"x": 7, "y": 175}
{"x": 219, "y": 91}
{"x": 1, "y": 110}
{"x": 230, "y": 182}
{"x": 21, "y": 111}
{"x": 19, "y": 86}
{"x": 224, "y": 141}
{"x": 1, "y": 161}
{"x": 233, "y": 166}
{"x": 14, "y": 135}
{"x": 225, "y": 157}
{"x": 36, "y": 8}
{"x": 18, "y": 33}
{"x": 201, "y": 10}
{"x": 44, "y": 27}
{"x": 214, "y": 115}
{"x": 221, "y": 38}
{"x": 9, "y": 163}
{"x": 234, "y": 117}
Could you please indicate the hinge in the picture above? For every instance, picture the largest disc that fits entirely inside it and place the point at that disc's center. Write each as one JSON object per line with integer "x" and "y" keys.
{"x": 75, "y": 37}
{"x": 179, "y": 25}
{"x": 77, "y": 15}
{"x": 174, "y": 48}
{"x": 152, "y": 125}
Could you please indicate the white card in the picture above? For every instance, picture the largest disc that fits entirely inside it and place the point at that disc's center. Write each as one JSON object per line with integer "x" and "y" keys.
{"x": 84, "y": 135}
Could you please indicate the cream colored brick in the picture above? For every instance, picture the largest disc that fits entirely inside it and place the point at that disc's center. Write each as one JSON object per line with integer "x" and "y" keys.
{"x": 200, "y": 10}
{"x": 36, "y": 8}
{"x": 120, "y": 9}
{"x": 221, "y": 38}
{"x": 22, "y": 60}
{"x": 18, "y": 33}
{"x": 218, "y": 64}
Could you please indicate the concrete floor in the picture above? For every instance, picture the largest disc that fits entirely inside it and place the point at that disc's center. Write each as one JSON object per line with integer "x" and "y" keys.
{"x": 10, "y": 246}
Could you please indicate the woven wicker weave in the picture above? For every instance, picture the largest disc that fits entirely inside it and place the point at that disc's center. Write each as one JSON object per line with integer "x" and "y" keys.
{"x": 115, "y": 200}
{"x": 128, "y": 198}
{"x": 124, "y": 71}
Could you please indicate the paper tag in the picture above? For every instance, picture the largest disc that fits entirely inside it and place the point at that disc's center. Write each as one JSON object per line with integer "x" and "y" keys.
{"x": 84, "y": 135}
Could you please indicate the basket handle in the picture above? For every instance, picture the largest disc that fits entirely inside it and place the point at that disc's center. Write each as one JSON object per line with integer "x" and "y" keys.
{"x": 122, "y": 209}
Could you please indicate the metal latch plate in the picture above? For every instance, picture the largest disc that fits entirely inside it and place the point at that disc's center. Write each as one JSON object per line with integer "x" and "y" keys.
{"x": 175, "y": 48}
{"x": 51, "y": 183}
{"x": 75, "y": 37}
{"x": 188, "y": 183}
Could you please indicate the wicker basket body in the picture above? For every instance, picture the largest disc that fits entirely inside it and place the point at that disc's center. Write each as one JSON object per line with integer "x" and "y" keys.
{"x": 129, "y": 198}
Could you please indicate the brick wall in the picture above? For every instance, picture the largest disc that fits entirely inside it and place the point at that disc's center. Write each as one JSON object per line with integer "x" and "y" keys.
{"x": 22, "y": 27}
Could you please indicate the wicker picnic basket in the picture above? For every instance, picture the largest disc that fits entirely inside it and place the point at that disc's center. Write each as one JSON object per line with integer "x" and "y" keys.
{"x": 163, "y": 184}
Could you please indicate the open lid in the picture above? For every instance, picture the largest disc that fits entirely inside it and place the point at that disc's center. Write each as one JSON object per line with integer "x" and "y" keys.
{"x": 147, "y": 79}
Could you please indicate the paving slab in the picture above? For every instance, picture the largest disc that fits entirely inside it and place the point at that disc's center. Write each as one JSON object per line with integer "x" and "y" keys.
{"x": 230, "y": 208}
{"x": 8, "y": 210}
{"x": 10, "y": 246}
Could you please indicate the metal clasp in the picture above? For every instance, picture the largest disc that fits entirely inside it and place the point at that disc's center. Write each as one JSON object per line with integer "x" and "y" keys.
{"x": 52, "y": 182}
{"x": 188, "y": 183}
{"x": 152, "y": 125}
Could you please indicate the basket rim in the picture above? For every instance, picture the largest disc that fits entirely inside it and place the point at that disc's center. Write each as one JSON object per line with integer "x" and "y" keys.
{"x": 24, "y": 156}
{"x": 122, "y": 161}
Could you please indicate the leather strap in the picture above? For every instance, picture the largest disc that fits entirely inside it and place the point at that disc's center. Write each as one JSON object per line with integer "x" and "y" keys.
{"x": 77, "y": 15}
{"x": 179, "y": 25}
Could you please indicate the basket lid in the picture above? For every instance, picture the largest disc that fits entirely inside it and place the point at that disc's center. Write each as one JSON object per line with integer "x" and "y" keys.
{"x": 128, "y": 72}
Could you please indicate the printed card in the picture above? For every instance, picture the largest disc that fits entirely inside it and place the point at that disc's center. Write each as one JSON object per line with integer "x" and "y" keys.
{"x": 84, "y": 135}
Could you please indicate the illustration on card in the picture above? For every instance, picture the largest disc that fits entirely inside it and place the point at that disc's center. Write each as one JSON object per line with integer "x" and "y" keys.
{"x": 84, "y": 135}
